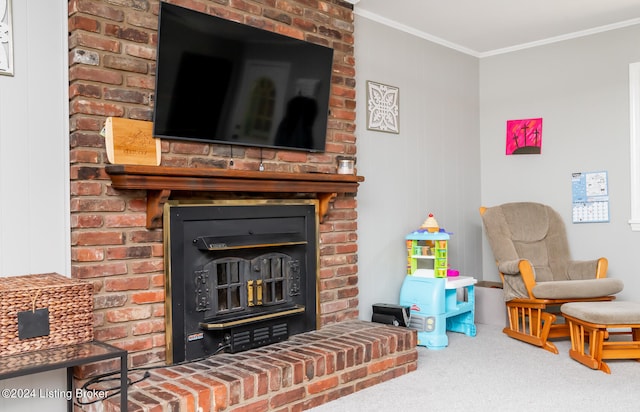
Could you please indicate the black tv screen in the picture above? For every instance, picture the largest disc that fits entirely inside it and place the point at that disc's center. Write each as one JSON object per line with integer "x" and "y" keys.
{"x": 219, "y": 81}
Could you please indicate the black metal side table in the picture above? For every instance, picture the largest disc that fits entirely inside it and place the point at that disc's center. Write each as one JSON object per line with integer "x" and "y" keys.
{"x": 67, "y": 357}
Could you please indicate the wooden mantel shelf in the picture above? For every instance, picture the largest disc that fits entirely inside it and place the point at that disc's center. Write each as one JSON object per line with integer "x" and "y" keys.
{"x": 159, "y": 181}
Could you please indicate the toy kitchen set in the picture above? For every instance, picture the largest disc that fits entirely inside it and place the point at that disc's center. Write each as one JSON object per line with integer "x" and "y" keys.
{"x": 436, "y": 298}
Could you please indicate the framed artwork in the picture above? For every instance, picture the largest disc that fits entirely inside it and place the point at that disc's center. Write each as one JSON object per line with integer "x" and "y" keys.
{"x": 6, "y": 38}
{"x": 383, "y": 107}
{"x": 524, "y": 136}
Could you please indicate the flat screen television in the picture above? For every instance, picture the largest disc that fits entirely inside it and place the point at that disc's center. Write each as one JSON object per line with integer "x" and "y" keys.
{"x": 218, "y": 81}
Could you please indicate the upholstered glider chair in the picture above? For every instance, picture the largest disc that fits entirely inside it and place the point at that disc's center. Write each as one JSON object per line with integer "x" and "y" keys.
{"x": 531, "y": 250}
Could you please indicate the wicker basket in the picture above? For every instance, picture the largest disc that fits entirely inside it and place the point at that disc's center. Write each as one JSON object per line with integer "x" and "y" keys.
{"x": 70, "y": 306}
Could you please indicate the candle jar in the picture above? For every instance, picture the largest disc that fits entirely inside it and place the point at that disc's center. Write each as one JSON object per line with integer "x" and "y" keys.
{"x": 346, "y": 165}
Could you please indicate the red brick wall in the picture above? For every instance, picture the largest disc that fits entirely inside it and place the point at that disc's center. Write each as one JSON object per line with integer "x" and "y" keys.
{"x": 111, "y": 73}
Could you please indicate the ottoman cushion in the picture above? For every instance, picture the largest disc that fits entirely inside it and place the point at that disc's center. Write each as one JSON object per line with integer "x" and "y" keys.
{"x": 604, "y": 313}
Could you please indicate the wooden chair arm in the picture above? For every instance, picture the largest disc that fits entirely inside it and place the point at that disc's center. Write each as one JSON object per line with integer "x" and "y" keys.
{"x": 528, "y": 276}
{"x": 601, "y": 268}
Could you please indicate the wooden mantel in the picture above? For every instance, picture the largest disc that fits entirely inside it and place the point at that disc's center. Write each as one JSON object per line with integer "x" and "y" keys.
{"x": 160, "y": 181}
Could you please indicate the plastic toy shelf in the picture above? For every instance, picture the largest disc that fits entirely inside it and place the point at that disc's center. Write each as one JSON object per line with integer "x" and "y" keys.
{"x": 427, "y": 253}
{"x": 436, "y": 308}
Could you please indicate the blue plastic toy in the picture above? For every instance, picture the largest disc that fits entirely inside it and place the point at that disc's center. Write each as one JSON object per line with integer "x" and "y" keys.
{"x": 435, "y": 308}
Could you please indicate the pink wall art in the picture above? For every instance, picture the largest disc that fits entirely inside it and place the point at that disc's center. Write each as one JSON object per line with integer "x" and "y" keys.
{"x": 524, "y": 136}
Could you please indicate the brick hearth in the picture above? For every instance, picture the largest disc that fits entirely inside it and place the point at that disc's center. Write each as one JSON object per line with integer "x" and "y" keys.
{"x": 308, "y": 370}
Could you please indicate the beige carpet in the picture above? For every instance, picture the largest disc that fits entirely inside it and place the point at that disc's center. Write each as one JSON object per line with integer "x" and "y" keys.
{"x": 494, "y": 372}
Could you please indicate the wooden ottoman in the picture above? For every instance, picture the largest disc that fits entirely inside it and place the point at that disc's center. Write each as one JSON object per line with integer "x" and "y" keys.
{"x": 589, "y": 324}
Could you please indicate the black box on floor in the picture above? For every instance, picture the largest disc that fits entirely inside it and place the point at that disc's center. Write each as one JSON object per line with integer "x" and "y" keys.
{"x": 390, "y": 314}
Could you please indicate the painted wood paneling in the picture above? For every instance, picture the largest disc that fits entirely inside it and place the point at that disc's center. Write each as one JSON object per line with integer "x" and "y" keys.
{"x": 34, "y": 164}
{"x": 34, "y": 212}
{"x": 430, "y": 166}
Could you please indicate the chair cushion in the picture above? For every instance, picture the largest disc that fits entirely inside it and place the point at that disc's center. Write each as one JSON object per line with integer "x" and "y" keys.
{"x": 532, "y": 231}
{"x": 577, "y": 289}
{"x": 604, "y": 313}
{"x": 527, "y": 222}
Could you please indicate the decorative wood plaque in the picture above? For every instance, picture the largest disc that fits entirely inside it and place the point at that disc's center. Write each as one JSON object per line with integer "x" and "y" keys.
{"x": 131, "y": 142}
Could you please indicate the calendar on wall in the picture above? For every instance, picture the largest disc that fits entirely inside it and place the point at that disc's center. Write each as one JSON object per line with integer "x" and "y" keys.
{"x": 590, "y": 195}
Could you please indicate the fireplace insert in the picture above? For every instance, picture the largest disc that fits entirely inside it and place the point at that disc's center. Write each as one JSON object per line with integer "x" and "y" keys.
{"x": 239, "y": 274}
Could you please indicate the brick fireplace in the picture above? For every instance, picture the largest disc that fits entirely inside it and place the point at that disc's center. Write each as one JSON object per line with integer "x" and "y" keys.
{"x": 116, "y": 222}
{"x": 111, "y": 73}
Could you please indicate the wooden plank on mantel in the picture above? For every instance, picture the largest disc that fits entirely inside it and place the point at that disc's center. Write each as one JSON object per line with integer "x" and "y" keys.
{"x": 131, "y": 142}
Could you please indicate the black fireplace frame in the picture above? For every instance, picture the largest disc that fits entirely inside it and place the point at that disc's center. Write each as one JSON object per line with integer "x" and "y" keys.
{"x": 183, "y": 343}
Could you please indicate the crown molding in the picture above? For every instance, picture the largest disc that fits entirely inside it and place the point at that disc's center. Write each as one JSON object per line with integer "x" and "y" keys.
{"x": 410, "y": 30}
{"x": 434, "y": 39}
{"x": 568, "y": 36}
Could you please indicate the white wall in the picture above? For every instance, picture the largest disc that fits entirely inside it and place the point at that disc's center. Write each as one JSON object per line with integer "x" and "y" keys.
{"x": 430, "y": 166}
{"x": 580, "y": 88}
{"x": 34, "y": 149}
{"x": 34, "y": 164}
